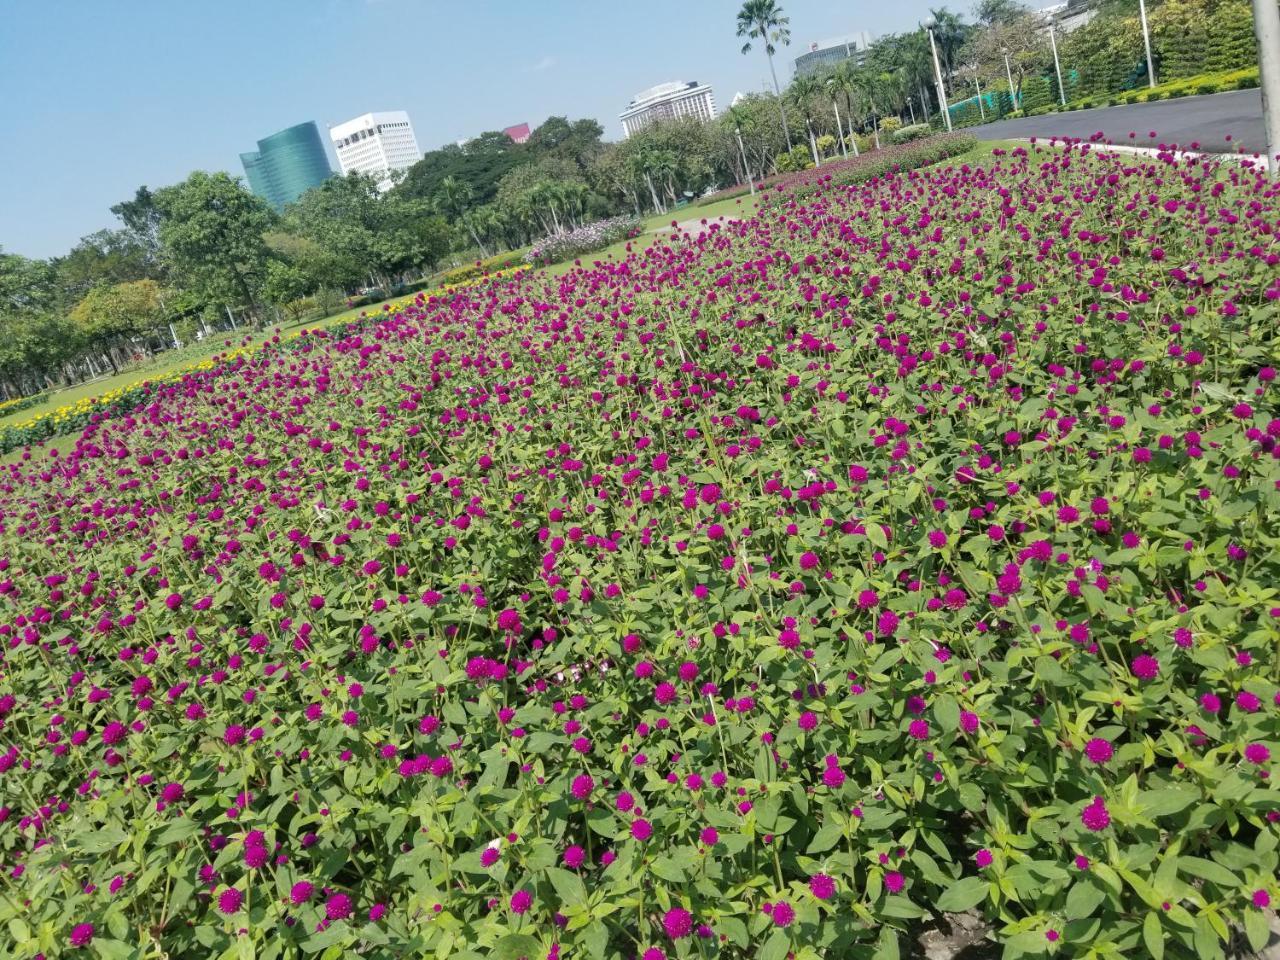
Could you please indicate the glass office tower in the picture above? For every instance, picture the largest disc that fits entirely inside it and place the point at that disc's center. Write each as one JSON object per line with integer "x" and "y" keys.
{"x": 287, "y": 164}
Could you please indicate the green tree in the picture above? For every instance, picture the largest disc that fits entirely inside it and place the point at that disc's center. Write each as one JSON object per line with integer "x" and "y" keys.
{"x": 993, "y": 12}
{"x": 453, "y": 199}
{"x": 763, "y": 20}
{"x": 211, "y": 234}
{"x": 950, "y": 31}
{"x": 112, "y": 316}
{"x": 804, "y": 93}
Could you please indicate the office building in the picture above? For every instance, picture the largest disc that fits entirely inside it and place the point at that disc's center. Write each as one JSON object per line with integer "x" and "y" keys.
{"x": 287, "y": 164}
{"x": 668, "y": 101}
{"x": 377, "y": 144}
{"x": 824, "y": 54}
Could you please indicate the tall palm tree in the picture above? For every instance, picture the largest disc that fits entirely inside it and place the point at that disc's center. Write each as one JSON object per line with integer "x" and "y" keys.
{"x": 804, "y": 93}
{"x": 763, "y": 20}
{"x": 950, "y": 31}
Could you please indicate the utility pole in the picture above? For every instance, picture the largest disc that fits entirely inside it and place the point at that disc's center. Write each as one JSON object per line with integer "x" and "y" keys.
{"x": 937, "y": 75}
{"x": 751, "y": 182}
{"x": 1266, "y": 27}
{"x": 1062, "y": 93}
{"x": 1146, "y": 42}
{"x": 844, "y": 150}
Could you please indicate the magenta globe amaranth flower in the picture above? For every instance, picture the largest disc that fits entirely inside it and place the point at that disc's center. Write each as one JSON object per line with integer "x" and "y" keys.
{"x": 1095, "y": 815}
{"x": 822, "y": 886}
{"x": 81, "y": 935}
{"x": 229, "y": 900}
{"x": 521, "y": 901}
{"x": 677, "y": 922}
{"x": 338, "y": 907}
{"x": 1098, "y": 750}
{"x": 783, "y": 914}
{"x": 1145, "y": 667}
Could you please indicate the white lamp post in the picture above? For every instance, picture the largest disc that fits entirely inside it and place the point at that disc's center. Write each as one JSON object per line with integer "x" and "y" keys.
{"x": 746, "y": 169}
{"x": 1146, "y": 42}
{"x": 1266, "y": 27}
{"x": 1062, "y": 93}
{"x": 982, "y": 114}
{"x": 1009, "y": 74}
{"x": 937, "y": 75}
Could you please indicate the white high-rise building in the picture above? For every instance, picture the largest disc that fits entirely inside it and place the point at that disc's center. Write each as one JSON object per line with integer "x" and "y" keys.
{"x": 377, "y": 144}
{"x": 667, "y": 101}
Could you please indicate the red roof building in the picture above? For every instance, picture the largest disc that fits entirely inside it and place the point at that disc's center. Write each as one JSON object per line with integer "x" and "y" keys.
{"x": 519, "y": 133}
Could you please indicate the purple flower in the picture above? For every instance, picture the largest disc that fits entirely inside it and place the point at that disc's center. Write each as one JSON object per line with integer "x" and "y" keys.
{"x": 1098, "y": 750}
{"x": 300, "y": 892}
{"x": 338, "y": 907}
{"x": 1145, "y": 667}
{"x": 82, "y": 933}
{"x": 677, "y": 922}
{"x": 783, "y": 914}
{"x": 983, "y": 858}
{"x": 822, "y": 886}
{"x": 1258, "y": 753}
{"x": 641, "y": 829}
{"x": 229, "y": 900}
{"x": 521, "y": 901}
{"x": 1095, "y": 816}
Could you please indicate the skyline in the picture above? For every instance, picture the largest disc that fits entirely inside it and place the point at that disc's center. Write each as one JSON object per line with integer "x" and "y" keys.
{"x": 195, "y": 90}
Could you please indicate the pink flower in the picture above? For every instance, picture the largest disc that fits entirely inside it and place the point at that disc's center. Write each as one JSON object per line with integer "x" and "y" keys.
{"x": 677, "y": 922}
{"x": 983, "y": 858}
{"x": 1098, "y": 750}
{"x": 822, "y": 886}
{"x": 894, "y": 881}
{"x": 82, "y": 933}
{"x": 1257, "y": 753}
{"x": 783, "y": 914}
{"x": 1145, "y": 667}
{"x": 641, "y": 829}
{"x": 1095, "y": 816}
{"x": 229, "y": 900}
{"x": 521, "y": 900}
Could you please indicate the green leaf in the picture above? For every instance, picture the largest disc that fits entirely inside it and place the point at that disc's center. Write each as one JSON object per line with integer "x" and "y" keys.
{"x": 1083, "y": 899}
{"x": 826, "y": 838}
{"x": 1208, "y": 870}
{"x": 947, "y": 712}
{"x": 776, "y": 947}
{"x": 114, "y": 949}
{"x": 963, "y": 895}
{"x": 1153, "y": 936}
{"x": 1256, "y": 929}
{"x": 667, "y": 869}
{"x": 514, "y": 946}
{"x": 1166, "y": 802}
{"x": 569, "y": 887}
{"x": 108, "y": 838}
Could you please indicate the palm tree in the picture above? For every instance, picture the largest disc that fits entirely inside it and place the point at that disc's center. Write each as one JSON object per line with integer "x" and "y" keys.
{"x": 950, "y": 31}
{"x": 804, "y": 93}
{"x": 453, "y": 199}
{"x": 763, "y": 20}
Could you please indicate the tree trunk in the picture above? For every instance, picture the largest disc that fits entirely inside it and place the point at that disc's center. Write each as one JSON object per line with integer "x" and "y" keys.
{"x": 777, "y": 92}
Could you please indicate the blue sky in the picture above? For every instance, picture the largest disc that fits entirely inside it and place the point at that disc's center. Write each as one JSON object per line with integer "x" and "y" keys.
{"x": 101, "y": 96}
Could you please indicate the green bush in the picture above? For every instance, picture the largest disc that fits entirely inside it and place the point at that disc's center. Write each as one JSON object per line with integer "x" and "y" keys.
{"x": 916, "y": 131}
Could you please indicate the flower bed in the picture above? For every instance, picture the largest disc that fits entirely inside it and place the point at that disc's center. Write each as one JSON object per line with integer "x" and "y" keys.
{"x": 867, "y": 166}
{"x": 588, "y": 238}
{"x": 908, "y": 549}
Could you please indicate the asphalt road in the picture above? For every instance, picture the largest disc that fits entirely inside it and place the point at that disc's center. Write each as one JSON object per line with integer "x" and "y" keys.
{"x": 1204, "y": 120}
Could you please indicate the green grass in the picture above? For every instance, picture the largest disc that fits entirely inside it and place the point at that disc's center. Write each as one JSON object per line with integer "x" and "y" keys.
{"x": 173, "y": 360}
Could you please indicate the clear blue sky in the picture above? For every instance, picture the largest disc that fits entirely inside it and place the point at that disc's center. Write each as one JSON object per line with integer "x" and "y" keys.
{"x": 100, "y": 96}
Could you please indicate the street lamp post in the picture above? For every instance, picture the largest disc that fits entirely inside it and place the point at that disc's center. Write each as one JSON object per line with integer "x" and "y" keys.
{"x": 1062, "y": 93}
{"x": 1146, "y": 42}
{"x": 1266, "y": 27}
{"x": 912, "y": 110}
{"x": 937, "y": 75}
{"x": 982, "y": 114}
{"x": 1009, "y": 75}
{"x": 746, "y": 169}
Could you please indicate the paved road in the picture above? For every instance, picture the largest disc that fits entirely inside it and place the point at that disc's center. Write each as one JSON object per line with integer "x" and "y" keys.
{"x": 1206, "y": 120}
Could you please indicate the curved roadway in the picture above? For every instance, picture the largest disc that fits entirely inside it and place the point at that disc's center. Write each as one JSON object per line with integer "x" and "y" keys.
{"x": 1207, "y": 121}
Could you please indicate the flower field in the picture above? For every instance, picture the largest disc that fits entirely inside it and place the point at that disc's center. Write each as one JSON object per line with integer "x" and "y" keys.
{"x": 910, "y": 549}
